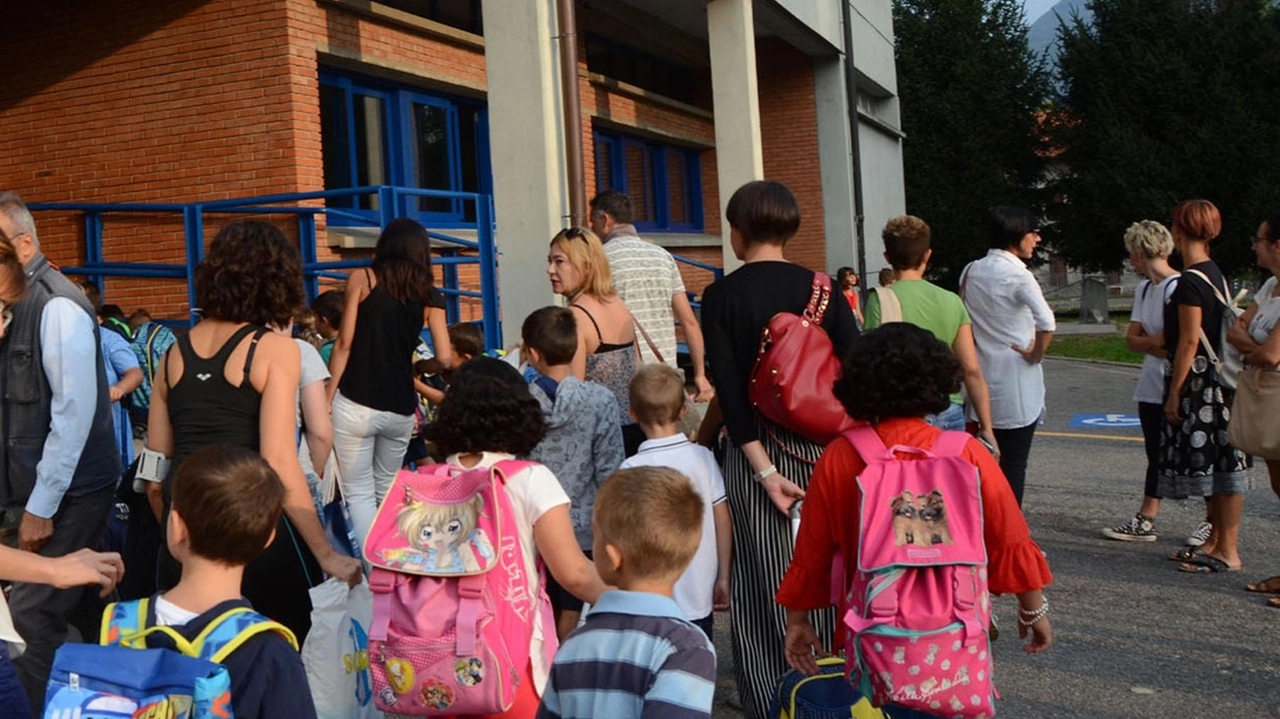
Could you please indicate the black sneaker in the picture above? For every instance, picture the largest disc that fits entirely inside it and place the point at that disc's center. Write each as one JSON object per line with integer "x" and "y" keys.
{"x": 1137, "y": 529}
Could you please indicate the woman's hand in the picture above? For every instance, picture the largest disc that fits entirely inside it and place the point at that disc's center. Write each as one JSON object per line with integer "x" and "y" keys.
{"x": 347, "y": 569}
{"x": 987, "y": 435}
{"x": 1041, "y": 636}
{"x": 782, "y": 491}
{"x": 87, "y": 567}
{"x": 1173, "y": 409}
{"x": 801, "y": 646}
{"x": 1031, "y": 353}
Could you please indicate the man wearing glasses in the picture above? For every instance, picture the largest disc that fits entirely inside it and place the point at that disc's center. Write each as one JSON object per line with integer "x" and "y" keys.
{"x": 58, "y": 457}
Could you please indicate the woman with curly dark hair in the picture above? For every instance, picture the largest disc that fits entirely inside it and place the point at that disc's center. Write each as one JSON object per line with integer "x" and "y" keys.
{"x": 489, "y": 416}
{"x": 892, "y": 377}
{"x": 372, "y": 388}
{"x": 232, "y": 381}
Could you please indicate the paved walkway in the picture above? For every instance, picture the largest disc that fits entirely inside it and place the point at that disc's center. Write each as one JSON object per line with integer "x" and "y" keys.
{"x": 1135, "y": 638}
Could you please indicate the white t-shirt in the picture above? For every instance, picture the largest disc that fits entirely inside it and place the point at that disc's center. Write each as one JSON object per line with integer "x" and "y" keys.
{"x": 8, "y": 634}
{"x": 313, "y": 370}
{"x": 1148, "y": 310}
{"x": 693, "y": 591}
{"x": 1268, "y": 315}
{"x": 169, "y": 614}
{"x": 533, "y": 492}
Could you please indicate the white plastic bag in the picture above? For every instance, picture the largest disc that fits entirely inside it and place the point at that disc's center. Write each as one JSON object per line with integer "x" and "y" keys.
{"x": 336, "y": 653}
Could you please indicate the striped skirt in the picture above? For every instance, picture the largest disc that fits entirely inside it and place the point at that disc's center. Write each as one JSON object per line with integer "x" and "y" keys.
{"x": 761, "y": 554}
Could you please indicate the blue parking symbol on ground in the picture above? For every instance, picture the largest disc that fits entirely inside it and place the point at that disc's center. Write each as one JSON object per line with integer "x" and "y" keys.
{"x": 1105, "y": 421}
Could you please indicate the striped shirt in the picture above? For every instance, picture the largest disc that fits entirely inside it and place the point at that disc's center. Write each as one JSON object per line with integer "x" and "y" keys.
{"x": 635, "y": 657}
{"x": 646, "y": 278}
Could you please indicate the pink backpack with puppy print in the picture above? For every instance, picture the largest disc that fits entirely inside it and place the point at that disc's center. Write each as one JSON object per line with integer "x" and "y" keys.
{"x": 918, "y": 604}
{"x": 453, "y": 606}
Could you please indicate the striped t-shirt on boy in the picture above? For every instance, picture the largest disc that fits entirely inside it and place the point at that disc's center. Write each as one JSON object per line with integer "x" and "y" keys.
{"x": 635, "y": 656}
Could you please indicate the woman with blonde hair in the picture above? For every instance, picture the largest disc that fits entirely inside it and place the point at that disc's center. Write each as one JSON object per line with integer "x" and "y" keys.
{"x": 1149, "y": 245}
{"x": 607, "y": 352}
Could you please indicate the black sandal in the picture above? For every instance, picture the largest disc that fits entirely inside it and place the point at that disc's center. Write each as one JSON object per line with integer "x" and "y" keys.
{"x": 1185, "y": 554}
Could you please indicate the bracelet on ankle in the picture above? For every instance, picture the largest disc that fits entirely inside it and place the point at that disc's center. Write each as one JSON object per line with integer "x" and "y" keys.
{"x": 1027, "y": 618}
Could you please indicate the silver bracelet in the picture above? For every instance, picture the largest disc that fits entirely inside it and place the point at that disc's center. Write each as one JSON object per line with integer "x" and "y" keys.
{"x": 765, "y": 473}
{"x": 1028, "y": 618}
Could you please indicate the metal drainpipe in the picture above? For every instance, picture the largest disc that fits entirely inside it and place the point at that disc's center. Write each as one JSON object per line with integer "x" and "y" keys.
{"x": 565, "y": 14}
{"x": 851, "y": 90}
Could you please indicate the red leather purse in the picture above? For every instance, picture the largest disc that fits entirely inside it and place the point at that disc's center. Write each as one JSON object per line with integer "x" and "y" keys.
{"x": 795, "y": 369}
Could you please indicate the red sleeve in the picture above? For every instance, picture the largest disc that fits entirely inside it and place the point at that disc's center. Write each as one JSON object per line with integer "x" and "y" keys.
{"x": 1015, "y": 563}
{"x": 829, "y": 506}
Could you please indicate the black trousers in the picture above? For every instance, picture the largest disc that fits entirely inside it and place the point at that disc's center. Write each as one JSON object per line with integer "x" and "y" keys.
{"x": 1015, "y": 448}
{"x": 40, "y": 612}
{"x": 1151, "y": 416}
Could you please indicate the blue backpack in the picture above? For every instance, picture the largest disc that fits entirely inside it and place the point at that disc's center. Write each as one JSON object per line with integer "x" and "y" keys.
{"x": 149, "y": 344}
{"x": 122, "y": 678}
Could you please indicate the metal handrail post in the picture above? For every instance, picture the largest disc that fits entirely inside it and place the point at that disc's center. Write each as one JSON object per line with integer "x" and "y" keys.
{"x": 93, "y": 243}
{"x": 193, "y": 225}
{"x": 307, "y": 248}
{"x": 491, "y": 311}
{"x": 387, "y": 198}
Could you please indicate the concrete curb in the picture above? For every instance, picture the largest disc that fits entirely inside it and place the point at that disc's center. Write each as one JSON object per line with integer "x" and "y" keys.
{"x": 1083, "y": 360}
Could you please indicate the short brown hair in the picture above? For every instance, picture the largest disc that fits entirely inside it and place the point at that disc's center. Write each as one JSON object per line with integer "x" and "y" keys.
{"x": 1197, "y": 219}
{"x": 466, "y": 338}
{"x": 231, "y": 500}
{"x": 251, "y": 274}
{"x": 553, "y": 331}
{"x": 764, "y": 211}
{"x": 654, "y": 515}
{"x": 616, "y": 204}
{"x": 657, "y": 394}
{"x": 906, "y": 240}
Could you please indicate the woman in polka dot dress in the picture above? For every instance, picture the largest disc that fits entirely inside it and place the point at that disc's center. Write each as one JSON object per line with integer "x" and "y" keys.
{"x": 893, "y": 377}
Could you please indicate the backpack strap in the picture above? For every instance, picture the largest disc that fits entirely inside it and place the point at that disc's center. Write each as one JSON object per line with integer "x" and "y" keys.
{"x": 382, "y": 582}
{"x": 966, "y": 599}
{"x": 230, "y": 630}
{"x": 470, "y": 605}
{"x": 950, "y": 444}
{"x": 1204, "y": 338}
{"x": 121, "y": 620}
{"x": 150, "y": 354}
{"x": 867, "y": 443}
{"x": 509, "y": 468}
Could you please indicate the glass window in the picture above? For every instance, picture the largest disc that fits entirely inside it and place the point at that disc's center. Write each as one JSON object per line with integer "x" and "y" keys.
{"x": 636, "y": 67}
{"x": 462, "y": 14}
{"x": 431, "y": 155}
{"x": 334, "y": 139}
{"x": 663, "y": 182}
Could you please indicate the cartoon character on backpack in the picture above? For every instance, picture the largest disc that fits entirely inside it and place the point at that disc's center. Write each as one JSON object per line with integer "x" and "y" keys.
{"x": 442, "y": 537}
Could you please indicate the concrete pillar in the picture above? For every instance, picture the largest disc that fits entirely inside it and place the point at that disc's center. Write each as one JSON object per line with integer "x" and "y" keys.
{"x": 739, "y": 156}
{"x": 835, "y": 151}
{"x": 525, "y": 145}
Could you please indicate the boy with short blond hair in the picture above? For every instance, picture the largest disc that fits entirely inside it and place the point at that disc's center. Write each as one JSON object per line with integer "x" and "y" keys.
{"x": 227, "y": 503}
{"x": 636, "y": 655}
{"x": 658, "y": 406}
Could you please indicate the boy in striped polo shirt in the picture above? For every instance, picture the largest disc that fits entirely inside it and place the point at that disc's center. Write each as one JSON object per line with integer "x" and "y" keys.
{"x": 636, "y": 656}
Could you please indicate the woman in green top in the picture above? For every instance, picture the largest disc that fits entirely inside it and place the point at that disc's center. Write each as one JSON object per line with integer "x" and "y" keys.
{"x": 920, "y": 302}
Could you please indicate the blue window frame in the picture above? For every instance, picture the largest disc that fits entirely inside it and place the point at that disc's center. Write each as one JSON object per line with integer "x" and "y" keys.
{"x": 379, "y": 134}
{"x": 663, "y": 181}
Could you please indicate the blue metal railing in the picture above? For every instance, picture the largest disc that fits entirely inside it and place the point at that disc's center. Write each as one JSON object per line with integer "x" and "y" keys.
{"x": 717, "y": 274}
{"x": 392, "y": 202}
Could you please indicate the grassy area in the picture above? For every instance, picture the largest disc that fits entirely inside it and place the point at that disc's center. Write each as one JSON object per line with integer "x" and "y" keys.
{"x": 1111, "y": 348}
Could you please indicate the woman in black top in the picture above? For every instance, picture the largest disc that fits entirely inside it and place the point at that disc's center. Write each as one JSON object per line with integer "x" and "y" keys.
{"x": 372, "y": 365}
{"x": 766, "y": 466}
{"x": 1196, "y": 459}
{"x": 230, "y": 381}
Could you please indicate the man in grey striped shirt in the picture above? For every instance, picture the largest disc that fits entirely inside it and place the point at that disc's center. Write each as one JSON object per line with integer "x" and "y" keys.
{"x": 647, "y": 279}
{"x": 636, "y": 656}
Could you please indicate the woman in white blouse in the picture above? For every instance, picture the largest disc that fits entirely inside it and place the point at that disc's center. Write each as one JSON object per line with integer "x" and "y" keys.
{"x": 1012, "y": 326}
{"x": 1255, "y": 335}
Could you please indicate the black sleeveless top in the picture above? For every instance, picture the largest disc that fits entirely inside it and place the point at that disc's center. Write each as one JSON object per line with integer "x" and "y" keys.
{"x": 204, "y": 408}
{"x": 379, "y": 372}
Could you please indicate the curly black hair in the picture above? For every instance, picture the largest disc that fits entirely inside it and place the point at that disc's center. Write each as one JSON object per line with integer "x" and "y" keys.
{"x": 488, "y": 408}
{"x": 897, "y": 370}
{"x": 252, "y": 273}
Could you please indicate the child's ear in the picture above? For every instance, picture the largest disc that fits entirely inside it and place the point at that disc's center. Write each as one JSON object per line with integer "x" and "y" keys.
{"x": 614, "y": 553}
{"x": 177, "y": 533}
{"x": 632, "y": 414}
{"x": 684, "y": 412}
{"x": 532, "y": 356}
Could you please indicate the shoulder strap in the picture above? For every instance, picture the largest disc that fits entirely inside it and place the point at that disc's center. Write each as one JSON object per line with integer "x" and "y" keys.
{"x": 820, "y": 298}
{"x": 229, "y": 631}
{"x": 1217, "y": 293}
{"x": 595, "y": 324}
{"x": 1204, "y": 338}
{"x": 950, "y": 444}
{"x": 253, "y": 348}
{"x": 867, "y": 443}
{"x": 150, "y": 348}
{"x": 121, "y": 620}
{"x": 648, "y": 340}
{"x": 890, "y": 307}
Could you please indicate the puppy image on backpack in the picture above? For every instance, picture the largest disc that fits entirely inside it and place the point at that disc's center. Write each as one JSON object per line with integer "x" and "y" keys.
{"x": 453, "y": 606}
{"x": 918, "y": 604}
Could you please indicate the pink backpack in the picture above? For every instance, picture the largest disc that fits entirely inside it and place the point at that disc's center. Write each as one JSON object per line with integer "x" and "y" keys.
{"x": 453, "y": 610}
{"x": 918, "y": 606}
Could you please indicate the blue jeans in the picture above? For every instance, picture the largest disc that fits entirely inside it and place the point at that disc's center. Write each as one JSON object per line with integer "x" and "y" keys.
{"x": 950, "y": 419}
{"x": 13, "y": 699}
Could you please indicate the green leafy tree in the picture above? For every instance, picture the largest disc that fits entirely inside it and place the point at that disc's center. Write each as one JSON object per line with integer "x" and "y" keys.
{"x": 1161, "y": 101}
{"x": 971, "y": 94}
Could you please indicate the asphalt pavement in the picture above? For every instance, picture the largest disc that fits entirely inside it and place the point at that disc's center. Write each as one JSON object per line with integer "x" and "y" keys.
{"x": 1135, "y": 638}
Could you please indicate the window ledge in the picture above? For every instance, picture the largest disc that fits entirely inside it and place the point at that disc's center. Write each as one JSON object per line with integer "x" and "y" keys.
{"x": 681, "y": 239}
{"x": 365, "y": 238}
{"x": 409, "y": 21}
{"x": 642, "y": 94}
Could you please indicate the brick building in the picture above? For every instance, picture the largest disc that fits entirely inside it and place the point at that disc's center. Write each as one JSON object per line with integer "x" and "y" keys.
{"x": 681, "y": 101}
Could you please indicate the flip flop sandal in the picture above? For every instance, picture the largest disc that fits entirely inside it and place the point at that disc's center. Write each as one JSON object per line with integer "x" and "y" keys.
{"x": 1266, "y": 586}
{"x": 1206, "y": 564}
{"x": 1274, "y": 602}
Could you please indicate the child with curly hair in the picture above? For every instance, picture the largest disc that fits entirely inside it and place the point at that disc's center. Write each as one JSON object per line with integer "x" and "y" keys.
{"x": 489, "y": 416}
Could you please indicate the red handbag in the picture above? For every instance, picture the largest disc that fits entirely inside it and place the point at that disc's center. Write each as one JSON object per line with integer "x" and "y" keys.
{"x": 797, "y": 365}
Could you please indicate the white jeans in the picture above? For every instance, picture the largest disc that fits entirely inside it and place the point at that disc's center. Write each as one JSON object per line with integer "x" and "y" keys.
{"x": 370, "y": 445}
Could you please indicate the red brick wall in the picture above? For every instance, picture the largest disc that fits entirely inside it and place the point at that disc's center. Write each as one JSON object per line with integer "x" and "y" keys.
{"x": 789, "y": 135}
